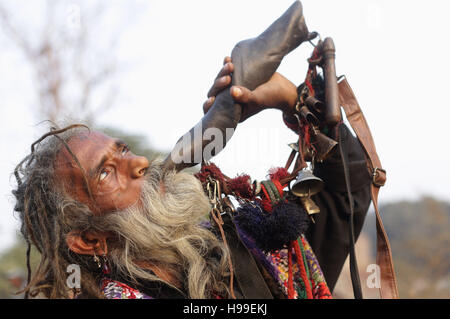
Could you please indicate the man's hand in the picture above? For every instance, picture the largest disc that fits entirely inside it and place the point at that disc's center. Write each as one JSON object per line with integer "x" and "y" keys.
{"x": 277, "y": 93}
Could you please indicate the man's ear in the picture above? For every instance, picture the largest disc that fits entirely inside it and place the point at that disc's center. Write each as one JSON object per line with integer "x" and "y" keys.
{"x": 87, "y": 243}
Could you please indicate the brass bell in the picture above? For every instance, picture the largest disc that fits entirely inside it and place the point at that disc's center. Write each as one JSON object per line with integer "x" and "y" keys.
{"x": 306, "y": 184}
{"x": 323, "y": 145}
{"x": 310, "y": 207}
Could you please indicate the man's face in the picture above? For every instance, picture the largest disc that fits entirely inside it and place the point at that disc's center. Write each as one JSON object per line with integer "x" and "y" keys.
{"x": 114, "y": 174}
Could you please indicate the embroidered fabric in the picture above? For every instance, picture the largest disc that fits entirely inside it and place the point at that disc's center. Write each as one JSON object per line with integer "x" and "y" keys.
{"x": 276, "y": 264}
{"x": 113, "y": 289}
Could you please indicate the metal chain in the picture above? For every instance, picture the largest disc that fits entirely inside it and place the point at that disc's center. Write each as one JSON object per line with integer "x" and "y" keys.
{"x": 214, "y": 194}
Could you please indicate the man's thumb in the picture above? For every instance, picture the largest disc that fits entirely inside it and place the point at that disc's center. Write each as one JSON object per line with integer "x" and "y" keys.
{"x": 240, "y": 94}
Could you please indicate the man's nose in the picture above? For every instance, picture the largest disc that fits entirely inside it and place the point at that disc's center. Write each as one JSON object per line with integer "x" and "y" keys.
{"x": 139, "y": 165}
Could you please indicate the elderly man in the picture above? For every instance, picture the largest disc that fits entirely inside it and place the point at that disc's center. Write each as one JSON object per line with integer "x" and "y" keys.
{"x": 84, "y": 198}
{"x": 135, "y": 229}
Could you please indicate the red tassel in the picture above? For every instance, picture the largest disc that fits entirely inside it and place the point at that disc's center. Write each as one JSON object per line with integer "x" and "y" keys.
{"x": 210, "y": 170}
{"x": 241, "y": 186}
{"x": 278, "y": 173}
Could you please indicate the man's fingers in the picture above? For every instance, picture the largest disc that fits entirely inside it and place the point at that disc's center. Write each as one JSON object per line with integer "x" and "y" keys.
{"x": 227, "y": 69}
{"x": 208, "y": 103}
{"x": 223, "y": 80}
{"x": 219, "y": 84}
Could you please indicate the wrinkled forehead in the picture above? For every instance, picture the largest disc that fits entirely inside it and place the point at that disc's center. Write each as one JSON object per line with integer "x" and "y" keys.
{"x": 73, "y": 162}
{"x": 84, "y": 146}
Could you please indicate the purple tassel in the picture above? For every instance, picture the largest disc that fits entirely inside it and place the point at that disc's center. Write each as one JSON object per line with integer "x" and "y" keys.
{"x": 272, "y": 231}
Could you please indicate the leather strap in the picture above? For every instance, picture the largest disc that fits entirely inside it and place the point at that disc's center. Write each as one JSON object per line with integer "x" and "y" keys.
{"x": 388, "y": 288}
{"x": 356, "y": 282}
{"x": 250, "y": 280}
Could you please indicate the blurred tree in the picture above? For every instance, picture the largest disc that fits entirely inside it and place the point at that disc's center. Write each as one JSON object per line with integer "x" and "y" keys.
{"x": 71, "y": 50}
{"x": 420, "y": 242}
{"x": 13, "y": 269}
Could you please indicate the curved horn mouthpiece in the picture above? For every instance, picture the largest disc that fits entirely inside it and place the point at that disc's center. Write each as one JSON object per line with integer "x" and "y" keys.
{"x": 332, "y": 111}
{"x": 255, "y": 60}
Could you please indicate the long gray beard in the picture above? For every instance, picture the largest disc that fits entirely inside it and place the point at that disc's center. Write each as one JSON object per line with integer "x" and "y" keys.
{"x": 163, "y": 230}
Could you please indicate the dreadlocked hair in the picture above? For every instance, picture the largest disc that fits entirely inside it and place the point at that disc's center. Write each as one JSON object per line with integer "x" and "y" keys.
{"x": 45, "y": 215}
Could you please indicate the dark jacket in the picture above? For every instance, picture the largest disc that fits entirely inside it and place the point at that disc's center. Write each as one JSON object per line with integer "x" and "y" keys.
{"x": 329, "y": 236}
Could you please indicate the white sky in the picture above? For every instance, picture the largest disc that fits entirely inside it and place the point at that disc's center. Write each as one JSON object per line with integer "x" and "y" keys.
{"x": 394, "y": 54}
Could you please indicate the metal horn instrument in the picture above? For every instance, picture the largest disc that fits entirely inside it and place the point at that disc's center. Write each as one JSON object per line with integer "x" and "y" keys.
{"x": 332, "y": 111}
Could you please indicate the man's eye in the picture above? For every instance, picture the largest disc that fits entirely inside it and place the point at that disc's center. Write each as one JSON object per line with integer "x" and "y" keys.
{"x": 125, "y": 149}
{"x": 103, "y": 175}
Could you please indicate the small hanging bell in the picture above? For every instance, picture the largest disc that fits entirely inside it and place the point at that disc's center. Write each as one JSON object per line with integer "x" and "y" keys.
{"x": 310, "y": 207}
{"x": 323, "y": 145}
{"x": 306, "y": 184}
